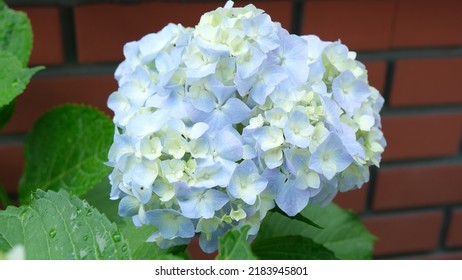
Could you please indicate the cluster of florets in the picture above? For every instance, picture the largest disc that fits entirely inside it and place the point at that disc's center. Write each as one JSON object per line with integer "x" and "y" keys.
{"x": 218, "y": 124}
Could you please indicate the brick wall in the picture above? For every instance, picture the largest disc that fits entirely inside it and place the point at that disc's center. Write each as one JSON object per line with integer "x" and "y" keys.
{"x": 412, "y": 49}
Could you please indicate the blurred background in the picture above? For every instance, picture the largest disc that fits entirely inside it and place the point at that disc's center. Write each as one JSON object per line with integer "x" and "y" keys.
{"x": 412, "y": 49}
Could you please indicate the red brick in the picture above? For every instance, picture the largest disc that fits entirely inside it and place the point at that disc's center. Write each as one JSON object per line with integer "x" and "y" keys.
{"x": 427, "y": 82}
{"x": 427, "y": 23}
{"x": 47, "y": 49}
{"x": 454, "y": 238}
{"x": 361, "y": 25}
{"x": 376, "y": 71}
{"x": 354, "y": 200}
{"x": 43, "y": 94}
{"x": 405, "y": 233}
{"x": 420, "y": 136}
{"x": 416, "y": 186}
{"x": 11, "y": 166}
{"x": 103, "y": 29}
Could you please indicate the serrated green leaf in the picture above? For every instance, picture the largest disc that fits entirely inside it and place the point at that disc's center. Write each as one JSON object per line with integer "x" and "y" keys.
{"x": 13, "y": 77}
{"x": 234, "y": 245}
{"x": 4, "y": 198}
{"x": 6, "y": 112}
{"x": 342, "y": 233}
{"x": 15, "y": 34}
{"x": 66, "y": 148}
{"x": 290, "y": 248}
{"x": 58, "y": 226}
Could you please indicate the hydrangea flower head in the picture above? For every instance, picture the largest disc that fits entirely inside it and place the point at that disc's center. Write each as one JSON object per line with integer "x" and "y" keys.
{"x": 218, "y": 124}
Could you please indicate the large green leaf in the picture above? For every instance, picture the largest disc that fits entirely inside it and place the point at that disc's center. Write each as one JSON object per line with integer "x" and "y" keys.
{"x": 13, "y": 77}
{"x": 66, "y": 148}
{"x": 58, "y": 226}
{"x": 6, "y": 112}
{"x": 342, "y": 233}
{"x": 290, "y": 248}
{"x": 234, "y": 245}
{"x": 15, "y": 33}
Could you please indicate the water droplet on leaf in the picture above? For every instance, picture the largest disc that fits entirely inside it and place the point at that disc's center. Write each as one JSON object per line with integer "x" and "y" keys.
{"x": 116, "y": 237}
{"x": 52, "y": 233}
{"x": 85, "y": 237}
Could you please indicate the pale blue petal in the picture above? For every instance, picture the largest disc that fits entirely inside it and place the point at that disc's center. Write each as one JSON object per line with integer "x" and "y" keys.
{"x": 236, "y": 110}
{"x": 170, "y": 223}
{"x": 205, "y": 102}
{"x": 210, "y": 245}
{"x": 291, "y": 199}
{"x": 227, "y": 145}
{"x": 146, "y": 124}
{"x": 129, "y": 206}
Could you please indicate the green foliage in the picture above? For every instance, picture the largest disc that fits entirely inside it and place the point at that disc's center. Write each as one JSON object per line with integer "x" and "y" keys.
{"x": 66, "y": 148}
{"x": 290, "y": 248}
{"x": 136, "y": 238}
{"x": 13, "y": 77}
{"x": 4, "y": 199}
{"x": 98, "y": 196}
{"x": 234, "y": 246}
{"x": 6, "y": 112}
{"x": 342, "y": 233}
{"x": 15, "y": 34}
{"x": 15, "y": 48}
{"x": 57, "y": 225}
{"x": 298, "y": 217}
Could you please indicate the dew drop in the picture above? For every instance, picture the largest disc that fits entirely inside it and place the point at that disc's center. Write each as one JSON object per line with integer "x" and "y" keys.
{"x": 116, "y": 237}
{"x": 89, "y": 212}
{"x": 52, "y": 233}
{"x": 85, "y": 237}
{"x": 124, "y": 248}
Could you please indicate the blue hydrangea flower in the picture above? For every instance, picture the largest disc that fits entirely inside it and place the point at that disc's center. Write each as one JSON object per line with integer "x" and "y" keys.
{"x": 216, "y": 125}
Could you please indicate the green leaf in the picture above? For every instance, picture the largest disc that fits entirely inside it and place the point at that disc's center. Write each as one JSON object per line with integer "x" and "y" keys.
{"x": 15, "y": 34}
{"x": 4, "y": 199}
{"x": 66, "y": 148}
{"x": 58, "y": 226}
{"x": 342, "y": 233}
{"x": 4, "y": 245}
{"x": 234, "y": 245}
{"x": 99, "y": 197}
{"x": 13, "y": 77}
{"x": 298, "y": 217}
{"x": 169, "y": 257}
{"x": 290, "y": 248}
{"x": 6, "y": 112}
{"x": 136, "y": 238}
